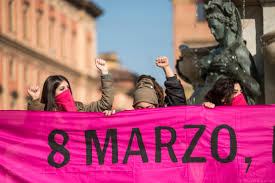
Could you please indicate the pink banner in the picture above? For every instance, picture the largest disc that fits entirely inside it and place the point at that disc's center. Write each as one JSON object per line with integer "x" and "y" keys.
{"x": 175, "y": 144}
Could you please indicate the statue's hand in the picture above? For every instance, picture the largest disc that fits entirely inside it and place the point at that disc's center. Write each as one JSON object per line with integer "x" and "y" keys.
{"x": 203, "y": 64}
{"x": 218, "y": 67}
{"x": 234, "y": 68}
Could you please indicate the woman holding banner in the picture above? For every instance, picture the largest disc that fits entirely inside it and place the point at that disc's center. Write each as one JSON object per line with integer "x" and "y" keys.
{"x": 57, "y": 94}
{"x": 149, "y": 94}
{"x": 226, "y": 91}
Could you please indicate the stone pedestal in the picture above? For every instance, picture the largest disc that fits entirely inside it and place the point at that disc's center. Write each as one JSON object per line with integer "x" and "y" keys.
{"x": 268, "y": 44}
{"x": 259, "y": 20}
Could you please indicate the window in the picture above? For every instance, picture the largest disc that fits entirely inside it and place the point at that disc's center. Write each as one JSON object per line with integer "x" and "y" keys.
{"x": 11, "y": 12}
{"x": 51, "y": 34}
{"x": 25, "y": 16}
{"x": 26, "y": 74}
{"x": 73, "y": 46}
{"x": 88, "y": 51}
{"x": 63, "y": 41}
{"x": 200, "y": 11}
{"x": 1, "y": 89}
{"x": 12, "y": 68}
{"x": 14, "y": 97}
{"x": 39, "y": 28}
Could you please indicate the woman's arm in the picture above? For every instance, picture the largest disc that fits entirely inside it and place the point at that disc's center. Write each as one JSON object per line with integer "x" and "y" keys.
{"x": 107, "y": 98}
{"x": 33, "y": 102}
{"x": 35, "y": 105}
{"x": 163, "y": 62}
{"x": 174, "y": 91}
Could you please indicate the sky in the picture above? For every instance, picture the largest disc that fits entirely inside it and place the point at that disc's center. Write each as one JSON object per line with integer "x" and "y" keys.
{"x": 138, "y": 31}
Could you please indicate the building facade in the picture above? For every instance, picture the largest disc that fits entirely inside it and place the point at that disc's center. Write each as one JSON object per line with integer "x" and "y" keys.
{"x": 189, "y": 25}
{"x": 189, "y": 28}
{"x": 39, "y": 38}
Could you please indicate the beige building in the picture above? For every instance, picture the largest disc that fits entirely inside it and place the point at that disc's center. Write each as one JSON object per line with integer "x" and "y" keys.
{"x": 39, "y": 38}
{"x": 189, "y": 28}
{"x": 189, "y": 25}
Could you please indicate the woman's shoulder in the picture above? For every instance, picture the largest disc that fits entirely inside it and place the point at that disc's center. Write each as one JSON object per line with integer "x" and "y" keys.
{"x": 35, "y": 105}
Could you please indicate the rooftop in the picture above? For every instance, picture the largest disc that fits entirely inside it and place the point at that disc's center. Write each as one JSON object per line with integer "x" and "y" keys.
{"x": 89, "y": 6}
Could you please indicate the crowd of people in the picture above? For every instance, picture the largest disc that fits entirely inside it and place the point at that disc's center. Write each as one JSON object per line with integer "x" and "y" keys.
{"x": 57, "y": 94}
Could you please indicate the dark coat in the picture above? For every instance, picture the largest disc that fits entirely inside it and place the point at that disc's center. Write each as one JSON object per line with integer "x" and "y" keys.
{"x": 174, "y": 92}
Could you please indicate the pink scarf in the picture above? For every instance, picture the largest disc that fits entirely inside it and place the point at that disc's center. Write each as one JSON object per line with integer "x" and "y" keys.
{"x": 65, "y": 101}
{"x": 239, "y": 100}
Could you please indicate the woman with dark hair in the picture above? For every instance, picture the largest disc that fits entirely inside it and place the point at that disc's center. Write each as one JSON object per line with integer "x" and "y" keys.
{"x": 225, "y": 91}
{"x": 57, "y": 94}
{"x": 149, "y": 94}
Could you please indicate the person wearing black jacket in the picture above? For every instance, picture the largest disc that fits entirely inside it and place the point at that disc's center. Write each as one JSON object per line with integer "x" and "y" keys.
{"x": 149, "y": 94}
{"x": 174, "y": 91}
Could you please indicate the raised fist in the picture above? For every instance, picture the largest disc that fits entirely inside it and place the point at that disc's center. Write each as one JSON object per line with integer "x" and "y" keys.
{"x": 34, "y": 92}
{"x": 101, "y": 65}
{"x": 162, "y": 62}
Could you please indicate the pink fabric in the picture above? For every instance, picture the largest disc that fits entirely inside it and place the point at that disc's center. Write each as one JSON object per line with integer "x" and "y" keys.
{"x": 239, "y": 100}
{"x": 65, "y": 101}
{"x": 25, "y": 150}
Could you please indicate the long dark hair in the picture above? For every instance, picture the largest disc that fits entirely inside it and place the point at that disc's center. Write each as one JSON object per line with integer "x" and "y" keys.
{"x": 48, "y": 92}
{"x": 157, "y": 88}
{"x": 222, "y": 91}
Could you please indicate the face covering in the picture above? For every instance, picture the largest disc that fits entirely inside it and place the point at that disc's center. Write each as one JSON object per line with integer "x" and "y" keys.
{"x": 65, "y": 101}
{"x": 239, "y": 100}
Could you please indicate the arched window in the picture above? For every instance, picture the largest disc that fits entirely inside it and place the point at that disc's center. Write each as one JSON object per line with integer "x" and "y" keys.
{"x": 51, "y": 34}
{"x": 11, "y": 18}
{"x": 73, "y": 46}
{"x": 26, "y": 19}
{"x": 12, "y": 68}
{"x": 39, "y": 28}
{"x": 63, "y": 41}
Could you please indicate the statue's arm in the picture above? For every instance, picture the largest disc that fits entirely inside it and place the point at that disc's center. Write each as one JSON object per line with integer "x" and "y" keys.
{"x": 250, "y": 83}
{"x": 204, "y": 64}
{"x": 245, "y": 75}
{"x": 247, "y": 81}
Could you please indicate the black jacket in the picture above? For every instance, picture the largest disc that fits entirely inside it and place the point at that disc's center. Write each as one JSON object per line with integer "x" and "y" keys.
{"x": 174, "y": 92}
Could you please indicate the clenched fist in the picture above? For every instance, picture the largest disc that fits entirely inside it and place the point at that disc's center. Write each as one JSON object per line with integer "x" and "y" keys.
{"x": 34, "y": 92}
{"x": 162, "y": 62}
{"x": 101, "y": 65}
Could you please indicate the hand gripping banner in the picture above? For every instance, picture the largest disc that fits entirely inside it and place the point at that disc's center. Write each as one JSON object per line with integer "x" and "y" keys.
{"x": 174, "y": 144}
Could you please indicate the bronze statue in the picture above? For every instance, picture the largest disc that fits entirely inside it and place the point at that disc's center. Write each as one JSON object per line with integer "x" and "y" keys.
{"x": 230, "y": 58}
